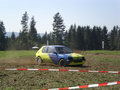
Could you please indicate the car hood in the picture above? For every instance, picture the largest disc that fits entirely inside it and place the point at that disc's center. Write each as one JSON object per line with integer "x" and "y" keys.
{"x": 74, "y": 55}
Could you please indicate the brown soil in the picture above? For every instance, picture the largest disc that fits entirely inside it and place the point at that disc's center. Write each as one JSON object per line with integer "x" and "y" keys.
{"x": 19, "y": 61}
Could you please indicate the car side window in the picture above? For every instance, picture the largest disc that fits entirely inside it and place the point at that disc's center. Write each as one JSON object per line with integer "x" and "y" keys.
{"x": 44, "y": 50}
{"x": 51, "y": 50}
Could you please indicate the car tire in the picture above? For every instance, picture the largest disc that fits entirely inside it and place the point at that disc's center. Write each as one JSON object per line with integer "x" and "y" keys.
{"x": 62, "y": 62}
{"x": 39, "y": 60}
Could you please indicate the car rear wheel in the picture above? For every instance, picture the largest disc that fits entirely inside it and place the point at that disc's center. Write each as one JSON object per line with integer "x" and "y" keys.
{"x": 39, "y": 60}
{"x": 62, "y": 62}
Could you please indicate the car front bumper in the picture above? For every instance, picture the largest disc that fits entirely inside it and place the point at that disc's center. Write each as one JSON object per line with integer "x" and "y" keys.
{"x": 77, "y": 63}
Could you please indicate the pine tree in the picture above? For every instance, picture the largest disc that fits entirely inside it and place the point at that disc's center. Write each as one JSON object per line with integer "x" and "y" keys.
{"x": 58, "y": 29}
{"x": 2, "y": 36}
{"x": 23, "y": 36}
{"x": 39, "y": 40}
{"x": 45, "y": 38}
{"x": 80, "y": 38}
{"x": 98, "y": 38}
{"x": 113, "y": 38}
{"x": 118, "y": 45}
{"x": 33, "y": 33}
{"x": 24, "y": 23}
{"x": 13, "y": 36}
{"x": 95, "y": 38}
{"x": 50, "y": 38}
{"x": 73, "y": 41}
{"x": 66, "y": 38}
{"x": 87, "y": 32}
{"x": 105, "y": 37}
{"x": 12, "y": 42}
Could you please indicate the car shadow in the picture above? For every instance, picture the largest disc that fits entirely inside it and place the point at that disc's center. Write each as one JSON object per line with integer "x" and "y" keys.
{"x": 56, "y": 65}
{"x": 79, "y": 66}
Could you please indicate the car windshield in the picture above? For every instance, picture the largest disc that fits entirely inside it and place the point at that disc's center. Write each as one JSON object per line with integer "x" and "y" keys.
{"x": 62, "y": 50}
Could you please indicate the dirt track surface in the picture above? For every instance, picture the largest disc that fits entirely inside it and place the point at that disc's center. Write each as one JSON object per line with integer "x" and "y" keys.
{"x": 19, "y": 61}
{"x": 31, "y": 80}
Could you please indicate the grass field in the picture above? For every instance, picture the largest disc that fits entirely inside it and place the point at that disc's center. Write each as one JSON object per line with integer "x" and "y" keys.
{"x": 33, "y": 80}
{"x": 106, "y": 52}
{"x": 16, "y": 54}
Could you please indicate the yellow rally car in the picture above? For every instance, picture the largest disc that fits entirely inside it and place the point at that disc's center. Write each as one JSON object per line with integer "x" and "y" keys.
{"x": 59, "y": 54}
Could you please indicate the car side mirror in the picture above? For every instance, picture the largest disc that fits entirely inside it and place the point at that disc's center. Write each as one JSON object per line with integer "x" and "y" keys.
{"x": 55, "y": 53}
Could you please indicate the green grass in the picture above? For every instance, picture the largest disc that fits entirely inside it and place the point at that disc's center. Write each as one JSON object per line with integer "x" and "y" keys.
{"x": 8, "y": 88}
{"x": 107, "y": 52}
{"x": 105, "y": 55}
{"x": 17, "y": 54}
{"x": 106, "y": 59}
{"x": 31, "y": 53}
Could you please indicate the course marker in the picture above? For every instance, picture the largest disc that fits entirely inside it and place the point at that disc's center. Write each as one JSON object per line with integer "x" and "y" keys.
{"x": 86, "y": 86}
{"x": 66, "y": 70}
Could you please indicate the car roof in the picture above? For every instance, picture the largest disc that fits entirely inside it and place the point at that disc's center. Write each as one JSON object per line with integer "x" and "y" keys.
{"x": 54, "y": 46}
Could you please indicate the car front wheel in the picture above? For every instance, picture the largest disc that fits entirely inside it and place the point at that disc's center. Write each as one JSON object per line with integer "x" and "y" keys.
{"x": 39, "y": 60}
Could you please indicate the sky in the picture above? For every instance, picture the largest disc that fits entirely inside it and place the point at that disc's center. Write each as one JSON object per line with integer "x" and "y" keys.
{"x": 79, "y": 12}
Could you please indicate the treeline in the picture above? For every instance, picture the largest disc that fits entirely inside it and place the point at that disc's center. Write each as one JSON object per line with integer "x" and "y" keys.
{"x": 77, "y": 37}
{"x": 87, "y": 38}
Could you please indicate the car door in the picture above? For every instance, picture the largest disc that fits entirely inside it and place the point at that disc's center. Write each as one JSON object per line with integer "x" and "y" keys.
{"x": 52, "y": 54}
{"x": 44, "y": 54}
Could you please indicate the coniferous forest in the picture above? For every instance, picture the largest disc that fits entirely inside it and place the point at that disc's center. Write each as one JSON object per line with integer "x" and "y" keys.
{"x": 76, "y": 37}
